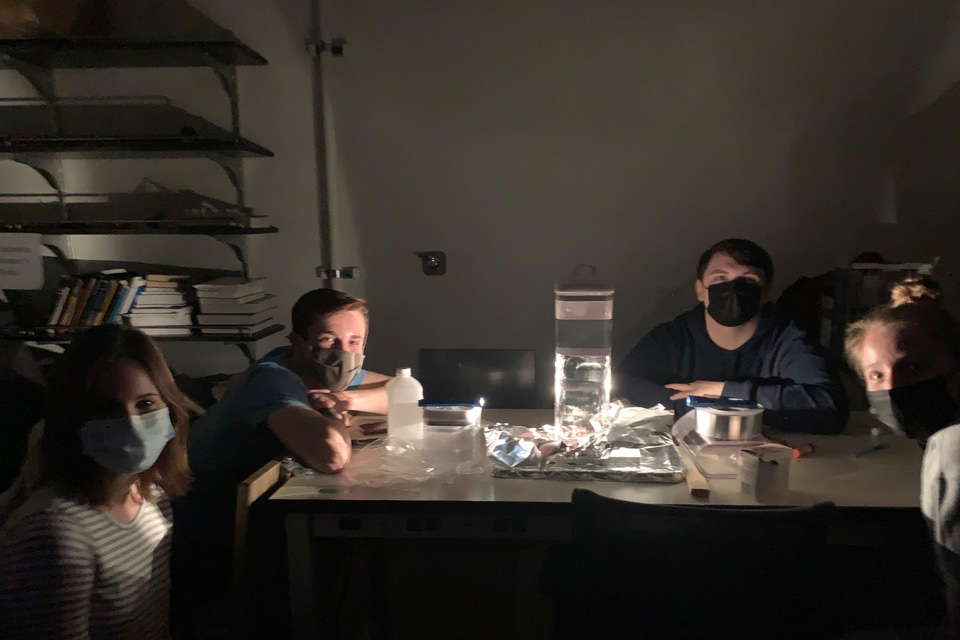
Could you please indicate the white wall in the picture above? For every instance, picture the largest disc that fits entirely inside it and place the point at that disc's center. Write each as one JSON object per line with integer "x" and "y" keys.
{"x": 943, "y": 69}
{"x": 525, "y": 136}
{"x": 276, "y": 112}
{"x": 933, "y": 230}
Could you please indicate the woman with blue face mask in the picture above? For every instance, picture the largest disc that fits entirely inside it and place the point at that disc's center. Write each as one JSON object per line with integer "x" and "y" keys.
{"x": 87, "y": 555}
{"x": 907, "y": 355}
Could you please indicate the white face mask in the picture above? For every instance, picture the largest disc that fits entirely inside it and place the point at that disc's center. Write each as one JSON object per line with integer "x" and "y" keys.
{"x": 130, "y": 444}
{"x": 335, "y": 368}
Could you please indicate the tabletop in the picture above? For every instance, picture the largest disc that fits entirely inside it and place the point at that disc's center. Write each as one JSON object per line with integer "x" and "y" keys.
{"x": 889, "y": 477}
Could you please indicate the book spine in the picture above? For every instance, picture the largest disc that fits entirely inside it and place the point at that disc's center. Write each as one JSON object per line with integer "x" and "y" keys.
{"x": 160, "y": 300}
{"x": 93, "y": 304}
{"x": 82, "y": 301}
{"x": 136, "y": 286}
{"x": 70, "y": 307}
{"x": 108, "y": 297}
{"x": 58, "y": 306}
{"x": 233, "y": 319}
{"x": 165, "y": 320}
{"x": 122, "y": 291}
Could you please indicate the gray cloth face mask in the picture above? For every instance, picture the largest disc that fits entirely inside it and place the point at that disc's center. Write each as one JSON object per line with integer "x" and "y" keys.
{"x": 336, "y": 368}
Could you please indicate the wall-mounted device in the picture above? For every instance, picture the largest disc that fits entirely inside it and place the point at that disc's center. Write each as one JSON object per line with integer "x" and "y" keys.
{"x": 335, "y": 47}
{"x": 341, "y": 273}
{"x": 434, "y": 263}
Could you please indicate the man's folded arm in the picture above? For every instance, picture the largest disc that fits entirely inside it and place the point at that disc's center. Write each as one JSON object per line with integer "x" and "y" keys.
{"x": 641, "y": 376}
{"x": 803, "y": 397}
{"x": 320, "y": 442}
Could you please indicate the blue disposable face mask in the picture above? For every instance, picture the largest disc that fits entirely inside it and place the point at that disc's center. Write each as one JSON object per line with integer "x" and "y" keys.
{"x": 130, "y": 444}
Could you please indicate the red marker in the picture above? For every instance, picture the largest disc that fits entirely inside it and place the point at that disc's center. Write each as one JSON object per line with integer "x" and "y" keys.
{"x": 806, "y": 450}
{"x": 798, "y": 452}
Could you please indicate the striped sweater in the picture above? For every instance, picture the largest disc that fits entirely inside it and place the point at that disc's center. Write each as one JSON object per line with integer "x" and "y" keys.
{"x": 70, "y": 571}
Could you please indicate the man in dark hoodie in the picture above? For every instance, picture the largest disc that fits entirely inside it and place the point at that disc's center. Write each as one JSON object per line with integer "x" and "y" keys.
{"x": 734, "y": 345}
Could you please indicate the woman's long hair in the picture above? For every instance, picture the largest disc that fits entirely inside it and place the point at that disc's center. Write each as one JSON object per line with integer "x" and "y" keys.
{"x": 68, "y": 406}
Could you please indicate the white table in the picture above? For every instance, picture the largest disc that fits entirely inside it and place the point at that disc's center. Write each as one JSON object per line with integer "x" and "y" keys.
{"x": 479, "y": 506}
{"x": 886, "y": 478}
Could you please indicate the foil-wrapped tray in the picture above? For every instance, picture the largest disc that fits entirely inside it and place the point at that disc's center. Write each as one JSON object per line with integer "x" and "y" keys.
{"x": 638, "y": 447}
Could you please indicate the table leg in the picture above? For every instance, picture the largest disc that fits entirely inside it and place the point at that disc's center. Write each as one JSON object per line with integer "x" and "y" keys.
{"x": 303, "y": 613}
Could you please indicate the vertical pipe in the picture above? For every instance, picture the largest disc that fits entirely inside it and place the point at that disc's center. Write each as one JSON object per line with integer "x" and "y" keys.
{"x": 319, "y": 127}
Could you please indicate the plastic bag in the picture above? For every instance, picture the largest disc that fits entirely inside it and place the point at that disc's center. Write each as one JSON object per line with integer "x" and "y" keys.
{"x": 392, "y": 462}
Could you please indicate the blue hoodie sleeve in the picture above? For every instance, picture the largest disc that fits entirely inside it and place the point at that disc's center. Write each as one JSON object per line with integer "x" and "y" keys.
{"x": 803, "y": 395}
{"x": 642, "y": 374}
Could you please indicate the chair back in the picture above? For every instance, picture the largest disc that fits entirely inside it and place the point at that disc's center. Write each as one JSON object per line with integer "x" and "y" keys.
{"x": 254, "y": 487}
{"x": 696, "y": 571}
{"x": 504, "y": 378}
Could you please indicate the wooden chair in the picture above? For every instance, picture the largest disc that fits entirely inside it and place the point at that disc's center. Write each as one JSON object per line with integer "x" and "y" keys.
{"x": 255, "y": 486}
{"x": 227, "y": 615}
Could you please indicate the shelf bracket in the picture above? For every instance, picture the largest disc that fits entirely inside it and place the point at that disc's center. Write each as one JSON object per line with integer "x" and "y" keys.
{"x": 227, "y": 75}
{"x": 239, "y": 247}
{"x": 246, "y": 351}
{"x": 41, "y": 79}
{"x": 62, "y": 258}
{"x": 233, "y": 167}
{"x": 51, "y": 170}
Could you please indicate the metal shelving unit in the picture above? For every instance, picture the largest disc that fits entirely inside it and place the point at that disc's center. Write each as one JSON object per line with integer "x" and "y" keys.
{"x": 41, "y": 132}
{"x": 62, "y": 335}
{"x": 101, "y": 53}
{"x": 145, "y": 227}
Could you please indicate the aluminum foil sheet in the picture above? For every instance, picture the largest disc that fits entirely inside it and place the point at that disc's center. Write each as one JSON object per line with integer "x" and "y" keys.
{"x": 637, "y": 447}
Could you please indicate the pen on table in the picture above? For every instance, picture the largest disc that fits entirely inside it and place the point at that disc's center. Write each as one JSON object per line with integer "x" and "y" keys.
{"x": 877, "y": 447}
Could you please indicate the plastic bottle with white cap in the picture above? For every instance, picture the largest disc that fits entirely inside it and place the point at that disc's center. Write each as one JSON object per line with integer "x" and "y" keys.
{"x": 404, "y": 414}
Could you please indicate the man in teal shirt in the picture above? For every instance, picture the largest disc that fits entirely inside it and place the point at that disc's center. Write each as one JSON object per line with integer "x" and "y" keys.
{"x": 297, "y": 399}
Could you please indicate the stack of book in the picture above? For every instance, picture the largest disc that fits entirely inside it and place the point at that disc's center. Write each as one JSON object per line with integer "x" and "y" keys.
{"x": 162, "y": 309}
{"x": 89, "y": 301}
{"x": 234, "y": 307}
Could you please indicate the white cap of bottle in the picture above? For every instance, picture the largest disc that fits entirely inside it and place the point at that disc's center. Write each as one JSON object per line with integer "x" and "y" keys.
{"x": 403, "y": 372}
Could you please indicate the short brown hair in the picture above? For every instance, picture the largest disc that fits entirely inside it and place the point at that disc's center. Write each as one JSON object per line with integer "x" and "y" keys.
{"x": 745, "y": 252}
{"x": 320, "y": 303}
{"x": 68, "y": 407}
{"x": 914, "y": 302}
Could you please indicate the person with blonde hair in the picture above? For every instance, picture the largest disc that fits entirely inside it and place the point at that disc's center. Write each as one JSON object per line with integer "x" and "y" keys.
{"x": 908, "y": 355}
{"x": 88, "y": 554}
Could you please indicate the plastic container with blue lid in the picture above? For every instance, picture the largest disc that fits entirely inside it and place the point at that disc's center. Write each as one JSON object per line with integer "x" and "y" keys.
{"x": 451, "y": 433}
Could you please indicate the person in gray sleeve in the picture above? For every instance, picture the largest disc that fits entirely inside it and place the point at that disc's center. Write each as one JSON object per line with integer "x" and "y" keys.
{"x": 908, "y": 354}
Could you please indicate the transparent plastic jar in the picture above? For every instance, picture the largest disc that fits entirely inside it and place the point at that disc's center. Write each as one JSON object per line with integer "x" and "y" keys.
{"x": 584, "y": 336}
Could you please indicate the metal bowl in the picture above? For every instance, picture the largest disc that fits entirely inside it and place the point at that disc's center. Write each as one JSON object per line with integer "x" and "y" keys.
{"x": 729, "y": 423}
